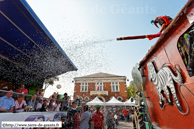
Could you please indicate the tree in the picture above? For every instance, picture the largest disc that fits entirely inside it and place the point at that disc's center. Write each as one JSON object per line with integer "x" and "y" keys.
{"x": 50, "y": 81}
{"x": 131, "y": 92}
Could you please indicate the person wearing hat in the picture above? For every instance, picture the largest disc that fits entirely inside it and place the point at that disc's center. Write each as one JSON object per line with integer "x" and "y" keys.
{"x": 163, "y": 21}
{"x": 71, "y": 115}
{"x": 65, "y": 104}
{"x": 85, "y": 118}
{"x": 97, "y": 119}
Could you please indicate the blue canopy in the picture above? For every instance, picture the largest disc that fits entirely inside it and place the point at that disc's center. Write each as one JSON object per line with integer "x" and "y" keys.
{"x": 28, "y": 52}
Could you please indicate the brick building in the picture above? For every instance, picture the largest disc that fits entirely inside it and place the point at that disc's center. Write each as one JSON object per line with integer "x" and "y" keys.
{"x": 103, "y": 85}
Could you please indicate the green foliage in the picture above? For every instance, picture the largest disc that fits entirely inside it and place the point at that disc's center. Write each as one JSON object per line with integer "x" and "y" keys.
{"x": 131, "y": 92}
{"x": 50, "y": 81}
{"x": 35, "y": 87}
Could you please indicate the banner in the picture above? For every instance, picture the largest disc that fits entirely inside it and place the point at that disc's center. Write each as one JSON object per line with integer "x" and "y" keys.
{"x": 31, "y": 116}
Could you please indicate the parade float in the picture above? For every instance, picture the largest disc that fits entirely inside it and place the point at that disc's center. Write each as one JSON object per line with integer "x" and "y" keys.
{"x": 165, "y": 76}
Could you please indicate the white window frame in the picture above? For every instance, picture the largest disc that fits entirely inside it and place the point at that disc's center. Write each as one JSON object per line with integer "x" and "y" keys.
{"x": 115, "y": 86}
{"x": 85, "y": 84}
{"x": 96, "y": 86}
{"x": 120, "y": 97}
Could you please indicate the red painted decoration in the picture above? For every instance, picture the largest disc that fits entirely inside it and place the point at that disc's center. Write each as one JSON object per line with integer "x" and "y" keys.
{"x": 150, "y": 37}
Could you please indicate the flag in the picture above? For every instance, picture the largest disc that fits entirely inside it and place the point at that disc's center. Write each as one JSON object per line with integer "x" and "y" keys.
{"x": 98, "y": 88}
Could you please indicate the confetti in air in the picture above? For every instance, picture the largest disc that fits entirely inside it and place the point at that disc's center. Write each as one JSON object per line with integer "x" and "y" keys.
{"x": 88, "y": 53}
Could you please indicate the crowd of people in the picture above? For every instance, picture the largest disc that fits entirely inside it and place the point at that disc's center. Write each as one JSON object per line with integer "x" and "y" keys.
{"x": 77, "y": 117}
{"x": 19, "y": 101}
{"x": 95, "y": 118}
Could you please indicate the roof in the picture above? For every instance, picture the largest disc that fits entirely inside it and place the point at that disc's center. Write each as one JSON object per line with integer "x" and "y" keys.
{"x": 167, "y": 34}
{"x": 114, "y": 101}
{"x": 129, "y": 103}
{"x": 28, "y": 51}
{"x": 100, "y": 75}
{"x": 95, "y": 101}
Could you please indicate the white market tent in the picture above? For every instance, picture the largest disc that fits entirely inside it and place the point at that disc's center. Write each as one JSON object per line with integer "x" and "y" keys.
{"x": 114, "y": 102}
{"x": 95, "y": 101}
{"x": 129, "y": 103}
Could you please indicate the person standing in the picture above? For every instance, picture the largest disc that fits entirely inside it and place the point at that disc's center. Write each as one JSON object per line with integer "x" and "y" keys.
{"x": 22, "y": 90}
{"x": 57, "y": 106}
{"x": 125, "y": 114}
{"x": 109, "y": 119}
{"x": 51, "y": 104}
{"x": 71, "y": 115}
{"x": 97, "y": 119}
{"x": 41, "y": 93}
{"x": 44, "y": 106}
{"x": 116, "y": 119}
{"x": 77, "y": 118}
{"x": 85, "y": 118}
{"x": 34, "y": 99}
{"x": 59, "y": 97}
{"x": 39, "y": 105}
{"x": 65, "y": 102}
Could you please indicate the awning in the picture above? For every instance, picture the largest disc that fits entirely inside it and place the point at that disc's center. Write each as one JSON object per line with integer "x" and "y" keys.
{"x": 95, "y": 101}
{"x": 28, "y": 52}
{"x": 129, "y": 103}
{"x": 114, "y": 102}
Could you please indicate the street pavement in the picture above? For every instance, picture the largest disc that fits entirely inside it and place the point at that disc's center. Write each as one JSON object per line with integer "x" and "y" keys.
{"x": 125, "y": 125}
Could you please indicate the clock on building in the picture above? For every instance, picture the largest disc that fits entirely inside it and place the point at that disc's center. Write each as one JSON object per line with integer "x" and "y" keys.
{"x": 58, "y": 86}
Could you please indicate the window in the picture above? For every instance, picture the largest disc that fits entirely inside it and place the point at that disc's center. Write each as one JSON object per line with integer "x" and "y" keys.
{"x": 115, "y": 86}
{"x": 186, "y": 49}
{"x": 99, "y": 86}
{"x": 120, "y": 98}
{"x": 84, "y": 87}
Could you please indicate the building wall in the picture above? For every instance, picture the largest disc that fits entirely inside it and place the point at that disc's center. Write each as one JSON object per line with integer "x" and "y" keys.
{"x": 107, "y": 87}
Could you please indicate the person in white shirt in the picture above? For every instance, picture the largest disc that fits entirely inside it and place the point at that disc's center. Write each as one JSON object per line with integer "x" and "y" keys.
{"x": 116, "y": 119}
{"x": 57, "y": 106}
{"x": 39, "y": 105}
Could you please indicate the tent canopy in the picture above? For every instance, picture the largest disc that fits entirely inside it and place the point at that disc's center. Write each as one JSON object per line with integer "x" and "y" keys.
{"x": 96, "y": 101}
{"x": 129, "y": 103}
{"x": 114, "y": 102}
{"x": 28, "y": 52}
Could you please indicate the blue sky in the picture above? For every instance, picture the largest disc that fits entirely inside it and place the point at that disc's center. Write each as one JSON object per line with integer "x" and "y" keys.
{"x": 87, "y": 31}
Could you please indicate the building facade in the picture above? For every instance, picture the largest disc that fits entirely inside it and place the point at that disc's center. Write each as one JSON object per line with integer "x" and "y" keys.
{"x": 103, "y": 85}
